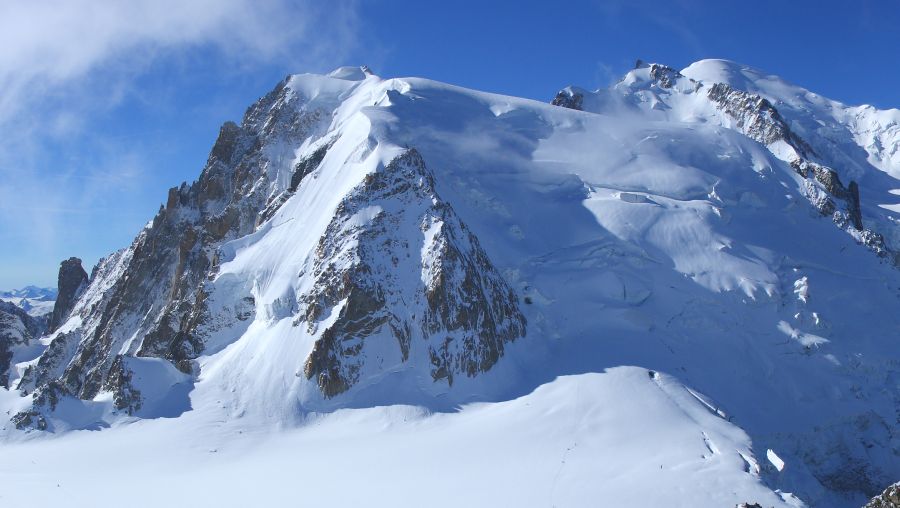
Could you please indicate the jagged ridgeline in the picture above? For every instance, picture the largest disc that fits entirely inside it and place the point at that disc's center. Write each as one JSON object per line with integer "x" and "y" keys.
{"x": 360, "y": 242}
{"x": 150, "y": 300}
{"x": 757, "y": 118}
{"x": 16, "y": 328}
{"x": 459, "y": 304}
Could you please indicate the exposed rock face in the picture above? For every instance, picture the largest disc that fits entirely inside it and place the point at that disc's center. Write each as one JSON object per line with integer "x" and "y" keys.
{"x": 16, "y": 328}
{"x": 756, "y": 117}
{"x": 458, "y": 309}
{"x": 152, "y": 299}
{"x": 890, "y": 498}
{"x": 853, "y": 205}
{"x": 383, "y": 277}
{"x": 568, "y": 98}
{"x": 51, "y": 363}
{"x": 149, "y": 299}
{"x": 125, "y": 395}
{"x": 30, "y": 419}
{"x": 665, "y": 75}
{"x": 823, "y": 186}
{"x": 72, "y": 281}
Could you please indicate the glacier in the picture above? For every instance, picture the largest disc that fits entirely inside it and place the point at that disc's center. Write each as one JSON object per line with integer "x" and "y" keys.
{"x": 680, "y": 289}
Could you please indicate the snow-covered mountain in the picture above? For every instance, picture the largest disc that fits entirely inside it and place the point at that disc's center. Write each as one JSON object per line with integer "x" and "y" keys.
{"x": 31, "y": 292}
{"x": 684, "y": 287}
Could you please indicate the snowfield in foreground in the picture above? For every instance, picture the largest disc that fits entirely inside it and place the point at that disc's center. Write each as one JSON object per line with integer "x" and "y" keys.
{"x": 682, "y": 290}
{"x": 619, "y": 438}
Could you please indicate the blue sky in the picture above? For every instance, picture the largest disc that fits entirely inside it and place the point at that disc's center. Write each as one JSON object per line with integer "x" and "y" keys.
{"x": 105, "y": 105}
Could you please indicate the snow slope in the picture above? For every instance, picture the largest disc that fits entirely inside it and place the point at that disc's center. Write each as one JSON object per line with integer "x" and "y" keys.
{"x": 577, "y": 440}
{"x": 856, "y": 134}
{"x": 628, "y": 304}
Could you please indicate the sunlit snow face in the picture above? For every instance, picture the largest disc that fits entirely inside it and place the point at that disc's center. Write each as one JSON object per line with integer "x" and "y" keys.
{"x": 681, "y": 291}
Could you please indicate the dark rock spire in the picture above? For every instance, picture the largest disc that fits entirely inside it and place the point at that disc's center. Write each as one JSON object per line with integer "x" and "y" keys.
{"x": 72, "y": 281}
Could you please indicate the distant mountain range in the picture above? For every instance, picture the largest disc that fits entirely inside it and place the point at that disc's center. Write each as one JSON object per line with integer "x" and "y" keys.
{"x": 34, "y": 300}
{"x": 30, "y": 292}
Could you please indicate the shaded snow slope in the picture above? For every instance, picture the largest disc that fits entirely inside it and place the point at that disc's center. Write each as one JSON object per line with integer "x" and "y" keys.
{"x": 579, "y": 439}
{"x": 19, "y": 332}
{"x": 852, "y": 135}
{"x": 358, "y": 243}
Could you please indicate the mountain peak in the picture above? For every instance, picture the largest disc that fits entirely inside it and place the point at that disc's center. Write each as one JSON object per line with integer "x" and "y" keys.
{"x": 648, "y": 74}
{"x": 734, "y": 74}
{"x": 351, "y": 73}
{"x": 367, "y": 243}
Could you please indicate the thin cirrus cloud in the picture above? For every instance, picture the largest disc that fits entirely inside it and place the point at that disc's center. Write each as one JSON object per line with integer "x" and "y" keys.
{"x": 50, "y": 42}
{"x": 66, "y": 63}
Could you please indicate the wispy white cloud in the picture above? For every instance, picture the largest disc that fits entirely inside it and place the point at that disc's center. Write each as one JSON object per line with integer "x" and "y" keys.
{"x": 49, "y": 43}
{"x": 64, "y": 64}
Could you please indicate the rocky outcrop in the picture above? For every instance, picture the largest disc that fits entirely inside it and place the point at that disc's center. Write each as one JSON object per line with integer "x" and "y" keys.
{"x": 664, "y": 75}
{"x": 569, "y": 98}
{"x": 71, "y": 282}
{"x": 125, "y": 396}
{"x": 172, "y": 258}
{"x": 890, "y": 498}
{"x": 831, "y": 183}
{"x": 50, "y": 364}
{"x": 30, "y": 419}
{"x": 853, "y": 206}
{"x": 398, "y": 272}
{"x": 16, "y": 328}
{"x": 150, "y": 299}
{"x": 823, "y": 187}
{"x": 756, "y": 117}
